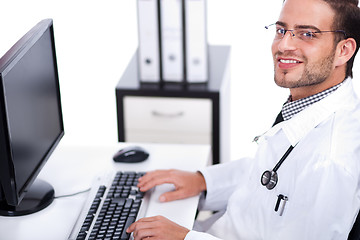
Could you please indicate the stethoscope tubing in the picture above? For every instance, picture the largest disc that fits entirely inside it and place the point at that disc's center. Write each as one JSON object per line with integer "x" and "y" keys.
{"x": 286, "y": 154}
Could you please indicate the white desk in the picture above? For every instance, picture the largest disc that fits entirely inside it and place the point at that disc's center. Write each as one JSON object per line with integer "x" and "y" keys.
{"x": 72, "y": 169}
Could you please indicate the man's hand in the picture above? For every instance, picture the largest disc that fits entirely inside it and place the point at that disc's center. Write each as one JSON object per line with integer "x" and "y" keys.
{"x": 187, "y": 184}
{"x": 158, "y": 227}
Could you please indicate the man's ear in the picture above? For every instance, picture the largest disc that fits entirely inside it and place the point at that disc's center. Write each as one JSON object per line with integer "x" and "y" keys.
{"x": 344, "y": 51}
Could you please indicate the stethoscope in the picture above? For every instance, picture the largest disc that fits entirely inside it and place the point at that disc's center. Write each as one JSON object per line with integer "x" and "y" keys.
{"x": 269, "y": 178}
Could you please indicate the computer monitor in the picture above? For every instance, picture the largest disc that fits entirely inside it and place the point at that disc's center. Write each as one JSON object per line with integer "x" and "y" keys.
{"x": 31, "y": 123}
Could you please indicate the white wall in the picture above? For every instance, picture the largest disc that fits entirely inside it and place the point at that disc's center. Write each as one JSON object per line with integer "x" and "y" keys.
{"x": 96, "y": 39}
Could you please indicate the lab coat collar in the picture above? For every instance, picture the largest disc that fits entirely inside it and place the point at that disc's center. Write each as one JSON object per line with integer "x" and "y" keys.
{"x": 302, "y": 123}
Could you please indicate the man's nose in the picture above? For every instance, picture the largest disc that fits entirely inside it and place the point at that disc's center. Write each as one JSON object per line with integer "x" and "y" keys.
{"x": 288, "y": 42}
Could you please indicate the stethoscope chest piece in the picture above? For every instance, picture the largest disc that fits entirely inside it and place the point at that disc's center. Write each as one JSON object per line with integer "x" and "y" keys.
{"x": 269, "y": 179}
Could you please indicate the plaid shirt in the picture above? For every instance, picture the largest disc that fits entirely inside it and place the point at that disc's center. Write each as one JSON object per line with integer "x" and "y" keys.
{"x": 290, "y": 108}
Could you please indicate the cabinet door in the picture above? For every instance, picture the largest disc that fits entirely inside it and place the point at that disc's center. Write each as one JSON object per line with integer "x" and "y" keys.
{"x": 168, "y": 119}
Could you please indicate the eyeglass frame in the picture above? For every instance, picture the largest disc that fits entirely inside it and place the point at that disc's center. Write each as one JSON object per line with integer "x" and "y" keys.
{"x": 312, "y": 32}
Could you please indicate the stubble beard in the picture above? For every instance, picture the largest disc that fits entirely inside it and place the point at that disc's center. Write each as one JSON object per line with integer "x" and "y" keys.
{"x": 313, "y": 74}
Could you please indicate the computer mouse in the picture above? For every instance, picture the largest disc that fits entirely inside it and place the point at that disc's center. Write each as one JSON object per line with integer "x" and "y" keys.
{"x": 131, "y": 154}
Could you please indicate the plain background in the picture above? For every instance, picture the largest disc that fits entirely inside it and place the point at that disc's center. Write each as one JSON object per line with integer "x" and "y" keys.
{"x": 96, "y": 39}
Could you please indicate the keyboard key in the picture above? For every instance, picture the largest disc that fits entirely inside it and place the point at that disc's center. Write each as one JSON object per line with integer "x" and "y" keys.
{"x": 125, "y": 235}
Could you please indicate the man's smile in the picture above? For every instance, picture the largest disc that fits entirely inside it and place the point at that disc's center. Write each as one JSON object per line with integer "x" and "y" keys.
{"x": 287, "y": 63}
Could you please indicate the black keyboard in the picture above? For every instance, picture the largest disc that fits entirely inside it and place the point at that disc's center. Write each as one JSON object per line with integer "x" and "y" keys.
{"x": 112, "y": 206}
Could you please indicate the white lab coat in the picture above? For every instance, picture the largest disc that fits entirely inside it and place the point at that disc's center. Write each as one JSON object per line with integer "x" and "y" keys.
{"x": 320, "y": 177}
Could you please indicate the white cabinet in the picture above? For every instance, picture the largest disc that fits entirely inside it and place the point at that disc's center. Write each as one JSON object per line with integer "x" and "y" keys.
{"x": 178, "y": 112}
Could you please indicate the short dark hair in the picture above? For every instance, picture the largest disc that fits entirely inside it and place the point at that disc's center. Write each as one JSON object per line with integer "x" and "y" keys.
{"x": 347, "y": 18}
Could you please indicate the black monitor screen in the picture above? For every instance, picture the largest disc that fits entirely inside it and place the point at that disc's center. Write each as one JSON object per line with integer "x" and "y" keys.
{"x": 32, "y": 108}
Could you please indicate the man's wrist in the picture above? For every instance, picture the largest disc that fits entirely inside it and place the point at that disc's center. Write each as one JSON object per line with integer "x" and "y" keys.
{"x": 201, "y": 180}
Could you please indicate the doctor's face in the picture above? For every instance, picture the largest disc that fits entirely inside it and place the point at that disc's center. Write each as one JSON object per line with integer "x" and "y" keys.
{"x": 302, "y": 58}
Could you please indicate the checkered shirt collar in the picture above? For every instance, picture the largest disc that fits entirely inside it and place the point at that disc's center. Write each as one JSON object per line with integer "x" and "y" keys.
{"x": 290, "y": 108}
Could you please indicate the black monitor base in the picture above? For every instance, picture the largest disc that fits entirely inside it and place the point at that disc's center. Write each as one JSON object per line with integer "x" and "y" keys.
{"x": 40, "y": 195}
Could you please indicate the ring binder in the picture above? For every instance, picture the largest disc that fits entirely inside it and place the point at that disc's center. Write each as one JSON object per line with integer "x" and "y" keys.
{"x": 149, "y": 47}
{"x": 196, "y": 46}
{"x": 171, "y": 21}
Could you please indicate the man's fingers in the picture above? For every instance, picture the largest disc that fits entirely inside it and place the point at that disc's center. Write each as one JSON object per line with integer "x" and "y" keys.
{"x": 155, "y": 178}
{"x": 142, "y": 224}
{"x": 173, "y": 195}
{"x": 153, "y": 174}
{"x": 157, "y": 227}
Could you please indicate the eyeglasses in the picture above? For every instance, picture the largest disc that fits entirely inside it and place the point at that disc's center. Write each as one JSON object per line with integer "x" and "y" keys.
{"x": 302, "y": 34}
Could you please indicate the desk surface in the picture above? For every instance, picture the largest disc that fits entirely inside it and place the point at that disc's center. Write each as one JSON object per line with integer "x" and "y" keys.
{"x": 72, "y": 169}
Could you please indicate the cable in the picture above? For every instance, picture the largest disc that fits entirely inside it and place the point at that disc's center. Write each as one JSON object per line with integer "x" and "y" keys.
{"x": 73, "y": 194}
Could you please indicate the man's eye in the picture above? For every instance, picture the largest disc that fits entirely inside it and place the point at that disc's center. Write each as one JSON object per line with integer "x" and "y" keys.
{"x": 307, "y": 34}
{"x": 280, "y": 31}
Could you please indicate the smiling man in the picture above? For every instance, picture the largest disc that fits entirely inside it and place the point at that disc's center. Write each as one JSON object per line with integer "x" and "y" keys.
{"x": 303, "y": 182}
{"x": 305, "y": 56}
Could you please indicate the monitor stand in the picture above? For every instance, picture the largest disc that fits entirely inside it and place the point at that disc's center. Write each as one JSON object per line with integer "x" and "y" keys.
{"x": 39, "y": 196}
